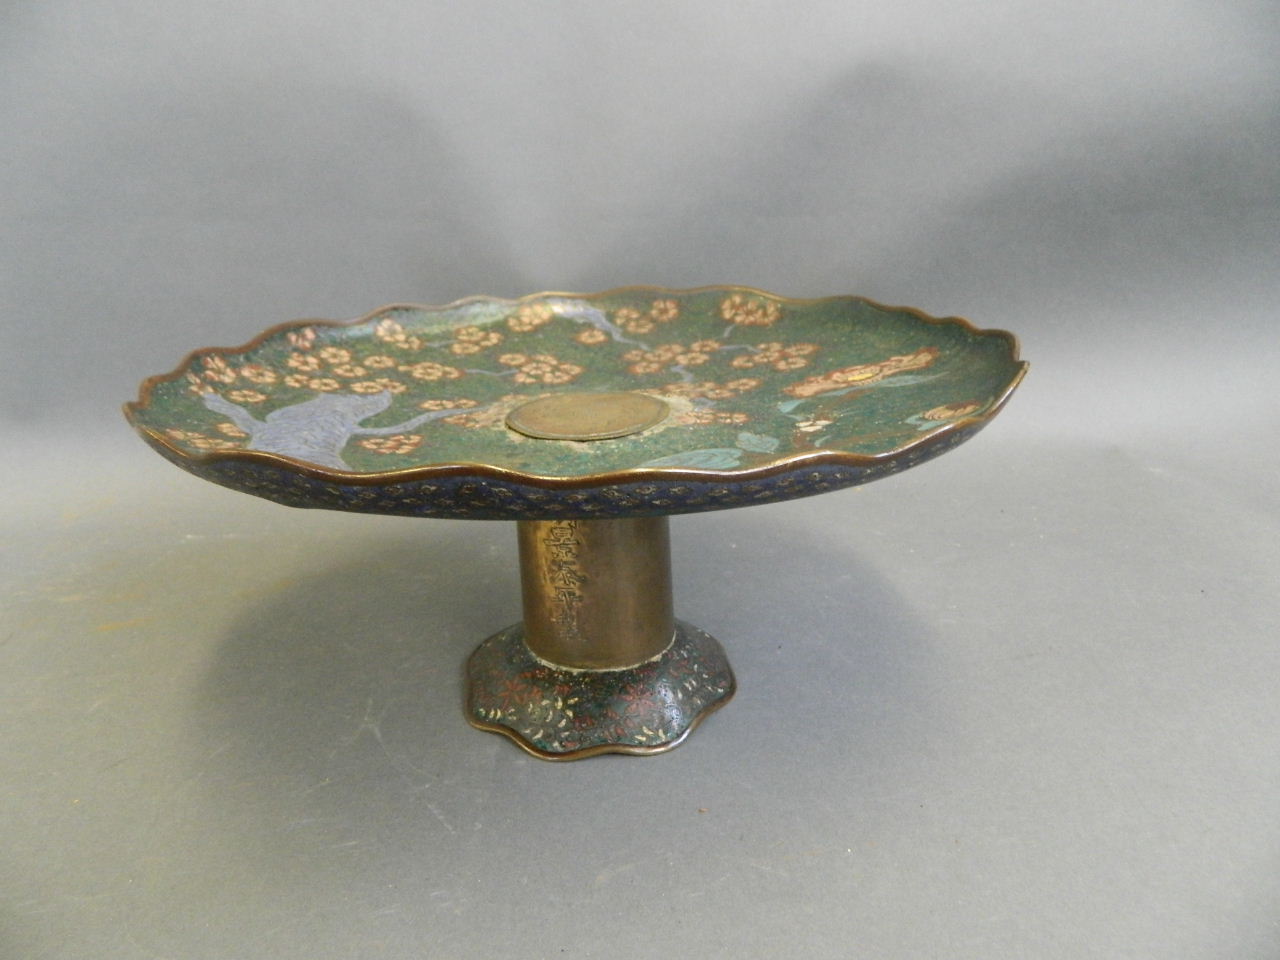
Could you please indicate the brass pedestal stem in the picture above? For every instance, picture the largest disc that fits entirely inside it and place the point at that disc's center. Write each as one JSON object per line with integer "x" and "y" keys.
{"x": 599, "y": 664}
{"x": 597, "y": 593}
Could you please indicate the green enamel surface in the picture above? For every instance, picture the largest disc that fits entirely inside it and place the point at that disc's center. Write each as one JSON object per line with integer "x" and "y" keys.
{"x": 751, "y": 379}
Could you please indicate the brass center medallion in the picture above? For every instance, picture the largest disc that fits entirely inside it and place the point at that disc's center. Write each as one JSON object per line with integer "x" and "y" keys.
{"x": 587, "y": 416}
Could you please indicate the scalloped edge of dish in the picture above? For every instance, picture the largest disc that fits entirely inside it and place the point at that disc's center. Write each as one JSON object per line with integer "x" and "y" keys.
{"x": 579, "y": 481}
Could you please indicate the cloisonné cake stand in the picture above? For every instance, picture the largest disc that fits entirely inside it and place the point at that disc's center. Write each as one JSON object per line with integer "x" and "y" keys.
{"x": 588, "y": 419}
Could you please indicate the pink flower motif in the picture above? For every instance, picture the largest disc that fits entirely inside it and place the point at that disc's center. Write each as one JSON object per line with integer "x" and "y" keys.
{"x": 428, "y": 370}
{"x": 474, "y": 339}
{"x": 335, "y": 355}
{"x": 390, "y": 331}
{"x": 303, "y": 361}
{"x": 790, "y": 363}
{"x": 632, "y": 320}
{"x": 399, "y": 443}
{"x": 200, "y": 441}
{"x": 217, "y": 369}
{"x": 379, "y": 385}
{"x": 741, "y": 309}
{"x": 246, "y": 396}
{"x": 545, "y": 368}
{"x": 443, "y": 404}
{"x": 349, "y": 370}
{"x": 257, "y": 373}
{"x": 530, "y": 316}
{"x": 664, "y": 311}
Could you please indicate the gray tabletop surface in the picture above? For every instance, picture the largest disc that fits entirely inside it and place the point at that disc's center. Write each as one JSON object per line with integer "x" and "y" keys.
{"x": 1019, "y": 702}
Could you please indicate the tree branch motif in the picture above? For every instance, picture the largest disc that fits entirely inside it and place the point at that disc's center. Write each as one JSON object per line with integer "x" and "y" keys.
{"x": 317, "y": 430}
{"x": 415, "y": 421}
{"x": 237, "y": 414}
{"x": 582, "y": 312}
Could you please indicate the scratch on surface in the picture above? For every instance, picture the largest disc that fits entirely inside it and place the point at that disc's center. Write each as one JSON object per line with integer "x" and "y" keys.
{"x": 445, "y": 900}
{"x": 371, "y": 723}
{"x": 306, "y": 792}
{"x": 440, "y": 816}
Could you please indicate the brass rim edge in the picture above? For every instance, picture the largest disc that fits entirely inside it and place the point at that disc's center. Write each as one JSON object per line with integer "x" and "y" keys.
{"x": 629, "y": 475}
{"x": 603, "y": 748}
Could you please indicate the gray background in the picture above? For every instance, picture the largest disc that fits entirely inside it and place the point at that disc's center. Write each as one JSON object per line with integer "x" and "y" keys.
{"x": 1020, "y": 702}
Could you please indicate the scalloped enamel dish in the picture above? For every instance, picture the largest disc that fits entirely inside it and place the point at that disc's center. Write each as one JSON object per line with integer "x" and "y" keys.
{"x": 415, "y": 410}
{"x": 588, "y": 419}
